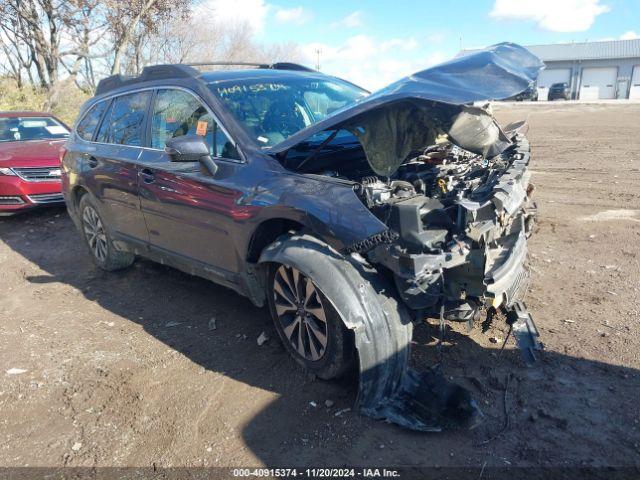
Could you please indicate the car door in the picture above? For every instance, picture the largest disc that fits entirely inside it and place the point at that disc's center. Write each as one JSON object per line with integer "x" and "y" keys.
{"x": 189, "y": 213}
{"x": 112, "y": 167}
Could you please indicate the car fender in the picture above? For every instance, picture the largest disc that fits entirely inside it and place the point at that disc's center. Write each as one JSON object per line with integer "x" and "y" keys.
{"x": 367, "y": 305}
{"x": 327, "y": 207}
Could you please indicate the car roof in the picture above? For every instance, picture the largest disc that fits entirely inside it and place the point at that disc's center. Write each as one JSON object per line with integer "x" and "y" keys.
{"x": 16, "y": 114}
{"x": 256, "y": 74}
{"x": 170, "y": 72}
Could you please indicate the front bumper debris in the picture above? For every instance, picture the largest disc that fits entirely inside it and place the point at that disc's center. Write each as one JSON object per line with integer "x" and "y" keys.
{"x": 507, "y": 281}
{"x": 524, "y": 331}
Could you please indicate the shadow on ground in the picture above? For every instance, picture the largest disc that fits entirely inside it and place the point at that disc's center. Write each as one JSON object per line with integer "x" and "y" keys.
{"x": 564, "y": 412}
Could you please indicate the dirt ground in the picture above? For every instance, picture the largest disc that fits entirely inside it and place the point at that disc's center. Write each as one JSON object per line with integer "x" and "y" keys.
{"x": 124, "y": 370}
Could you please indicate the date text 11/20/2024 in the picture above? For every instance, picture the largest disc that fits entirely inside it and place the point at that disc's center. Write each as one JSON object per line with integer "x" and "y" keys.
{"x": 316, "y": 472}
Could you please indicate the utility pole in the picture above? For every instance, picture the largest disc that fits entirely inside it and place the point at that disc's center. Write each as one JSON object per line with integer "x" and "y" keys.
{"x": 318, "y": 53}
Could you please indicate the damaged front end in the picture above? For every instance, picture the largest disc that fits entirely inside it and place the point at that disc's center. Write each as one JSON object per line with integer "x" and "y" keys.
{"x": 453, "y": 190}
{"x": 462, "y": 222}
{"x": 456, "y": 248}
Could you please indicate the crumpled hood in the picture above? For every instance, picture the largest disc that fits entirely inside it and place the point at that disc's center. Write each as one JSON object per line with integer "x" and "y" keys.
{"x": 31, "y": 153}
{"x": 409, "y": 114}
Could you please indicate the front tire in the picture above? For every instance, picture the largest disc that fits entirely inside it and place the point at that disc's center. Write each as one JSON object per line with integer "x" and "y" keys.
{"x": 308, "y": 325}
{"x": 98, "y": 240}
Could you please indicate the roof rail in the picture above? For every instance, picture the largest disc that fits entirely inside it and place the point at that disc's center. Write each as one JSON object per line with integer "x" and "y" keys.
{"x": 184, "y": 70}
{"x": 270, "y": 66}
{"x": 291, "y": 66}
{"x": 228, "y": 64}
{"x": 152, "y": 72}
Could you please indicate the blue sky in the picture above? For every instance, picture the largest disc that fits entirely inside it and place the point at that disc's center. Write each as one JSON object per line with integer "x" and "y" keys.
{"x": 373, "y": 43}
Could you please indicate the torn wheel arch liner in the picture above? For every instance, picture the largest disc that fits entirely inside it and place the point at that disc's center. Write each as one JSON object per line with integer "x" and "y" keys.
{"x": 387, "y": 388}
{"x": 380, "y": 334}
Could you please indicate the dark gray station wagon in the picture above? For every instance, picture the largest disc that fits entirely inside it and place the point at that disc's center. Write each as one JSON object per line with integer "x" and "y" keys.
{"x": 351, "y": 215}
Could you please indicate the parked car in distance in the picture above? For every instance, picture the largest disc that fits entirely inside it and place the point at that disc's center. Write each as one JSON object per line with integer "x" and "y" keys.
{"x": 349, "y": 214}
{"x": 530, "y": 94}
{"x": 30, "y": 144}
{"x": 559, "y": 91}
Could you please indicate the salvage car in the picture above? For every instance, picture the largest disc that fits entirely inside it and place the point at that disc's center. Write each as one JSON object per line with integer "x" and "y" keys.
{"x": 350, "y": 215}
{"x": 30, "y": 172}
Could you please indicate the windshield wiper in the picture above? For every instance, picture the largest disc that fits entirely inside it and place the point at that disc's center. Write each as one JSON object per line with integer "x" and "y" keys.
{"x": 315, "y": 153}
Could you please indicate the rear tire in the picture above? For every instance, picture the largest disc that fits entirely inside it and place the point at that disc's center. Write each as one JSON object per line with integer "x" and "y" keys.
{"x": 98, "y": 239}
{"x": 310, "y": 328}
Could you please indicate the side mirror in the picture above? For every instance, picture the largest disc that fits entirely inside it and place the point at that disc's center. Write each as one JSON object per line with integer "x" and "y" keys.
{"x": 190, "y": 148}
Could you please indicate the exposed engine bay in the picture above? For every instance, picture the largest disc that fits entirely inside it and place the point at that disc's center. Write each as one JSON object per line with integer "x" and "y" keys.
{"x": 457, "y": 219}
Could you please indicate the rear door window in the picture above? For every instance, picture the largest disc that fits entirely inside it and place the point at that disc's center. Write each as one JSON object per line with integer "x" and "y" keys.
{"x": 87, "y": 126}
{"x": 124, "y": 122}
{"x": 177, "y": 113}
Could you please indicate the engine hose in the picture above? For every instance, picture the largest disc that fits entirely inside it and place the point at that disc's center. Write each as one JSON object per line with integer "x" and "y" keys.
{"x": 366, "y": 181}
{"x": 401, "y": 184}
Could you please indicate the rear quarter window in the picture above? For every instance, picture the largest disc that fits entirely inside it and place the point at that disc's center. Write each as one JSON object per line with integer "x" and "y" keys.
{"x": 87, "y": 126}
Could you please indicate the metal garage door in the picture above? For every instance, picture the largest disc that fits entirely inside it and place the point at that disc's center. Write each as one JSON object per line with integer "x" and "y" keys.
{"x": 598, "y": 83}
{"x": 634, "y": 92}
{"x": 551, "y": 76}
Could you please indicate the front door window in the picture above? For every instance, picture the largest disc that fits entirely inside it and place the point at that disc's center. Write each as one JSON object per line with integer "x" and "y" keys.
{"x": 177, "y": 113}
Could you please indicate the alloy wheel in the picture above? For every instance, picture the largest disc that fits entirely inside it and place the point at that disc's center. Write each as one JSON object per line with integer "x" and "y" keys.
{"x": 300, "y": 312}
{"x": 95, "y": 233}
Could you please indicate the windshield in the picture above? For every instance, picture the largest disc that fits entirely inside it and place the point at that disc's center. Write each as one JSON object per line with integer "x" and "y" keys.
{"x": 18, "y": 129}
{"x": 273, "y": 110}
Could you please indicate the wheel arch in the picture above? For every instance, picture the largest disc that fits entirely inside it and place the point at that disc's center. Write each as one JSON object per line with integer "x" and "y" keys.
{"x": 77, "y": 193}
{"x": 366, "y": 303}
{"x": 267, "y": 232}
{"x": 73, "y": 203}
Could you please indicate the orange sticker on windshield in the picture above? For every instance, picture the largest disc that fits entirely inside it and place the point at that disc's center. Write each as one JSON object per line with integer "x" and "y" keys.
{"x": 201, "y": 128}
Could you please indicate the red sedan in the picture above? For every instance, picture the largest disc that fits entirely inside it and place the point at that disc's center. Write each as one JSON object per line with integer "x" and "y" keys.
{"x": 30, "y": 144}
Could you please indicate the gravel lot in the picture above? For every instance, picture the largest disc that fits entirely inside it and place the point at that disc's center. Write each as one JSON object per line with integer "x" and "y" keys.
{"x": 125, "y": 370}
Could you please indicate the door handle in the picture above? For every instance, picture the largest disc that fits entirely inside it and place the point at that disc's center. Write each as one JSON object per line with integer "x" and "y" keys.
{"x": 147, "y": 175}
{"x": 92, "y": 162}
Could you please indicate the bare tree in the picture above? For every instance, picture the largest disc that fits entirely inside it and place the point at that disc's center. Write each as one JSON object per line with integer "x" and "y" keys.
{"x": 85, "y": 40}
{"x": 37, "y": 25}
{"x": 130, "y": 21}
{"x": 16, "y": 57}
{"x": 12, "y": 43}
{"x": 45, "y": 41}
{"x": 198, "y": 39}
{"x": 70, "y": 35}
